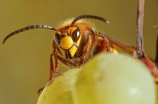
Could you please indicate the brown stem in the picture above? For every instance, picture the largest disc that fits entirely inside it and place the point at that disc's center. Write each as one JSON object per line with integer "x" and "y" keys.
{"x": 156, "y": 59}
{"x": 140, "y": 15}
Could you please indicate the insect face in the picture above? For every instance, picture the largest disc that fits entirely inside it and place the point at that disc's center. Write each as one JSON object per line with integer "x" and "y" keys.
{"x": 68, "y": 40}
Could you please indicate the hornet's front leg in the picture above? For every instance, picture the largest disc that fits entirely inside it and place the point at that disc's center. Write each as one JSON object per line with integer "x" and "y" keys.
{"x": 52, "y": 69}
{"x": 87, "y": 48}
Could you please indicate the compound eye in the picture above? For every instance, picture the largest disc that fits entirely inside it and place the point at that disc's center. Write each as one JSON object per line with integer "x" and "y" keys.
{"x": 57, "y": 38}
{"x": 75, "y": 35}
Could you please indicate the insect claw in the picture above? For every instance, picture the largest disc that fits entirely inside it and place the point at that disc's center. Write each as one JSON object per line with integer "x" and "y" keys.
{"x": 55, "y": 73}
{"x": 40, "y": 90}
{"x": 81, "y": 63}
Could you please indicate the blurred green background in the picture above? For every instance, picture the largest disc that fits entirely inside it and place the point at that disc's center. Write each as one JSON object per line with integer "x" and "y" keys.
{"x": 24, "y": 59}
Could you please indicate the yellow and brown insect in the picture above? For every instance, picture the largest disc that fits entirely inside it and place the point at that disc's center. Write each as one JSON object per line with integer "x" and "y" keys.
{"x": 76, "y": 41}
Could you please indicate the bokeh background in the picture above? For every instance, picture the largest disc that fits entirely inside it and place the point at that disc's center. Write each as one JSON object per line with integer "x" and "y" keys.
{"x": 24, "y": 59}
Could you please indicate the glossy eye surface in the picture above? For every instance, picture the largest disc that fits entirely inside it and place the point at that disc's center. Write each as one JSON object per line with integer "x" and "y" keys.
{"x": 75, "y": 35}
{"x": 57, "y": 38}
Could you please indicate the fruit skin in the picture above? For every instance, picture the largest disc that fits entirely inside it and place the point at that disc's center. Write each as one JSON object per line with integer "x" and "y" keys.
{"x": 157, "y": 93}
{"x": 59, "y": 90}
{"x": 114, "y": 79}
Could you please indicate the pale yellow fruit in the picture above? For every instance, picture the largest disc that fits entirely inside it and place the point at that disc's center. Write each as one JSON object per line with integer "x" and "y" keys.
{"x": 114, "y": 79}
{"x": 157, "y": 94}
{"x": 59, "y": 90}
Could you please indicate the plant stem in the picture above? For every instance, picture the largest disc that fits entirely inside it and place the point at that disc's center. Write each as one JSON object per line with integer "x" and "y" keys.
{"x": 140, "y": 16}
